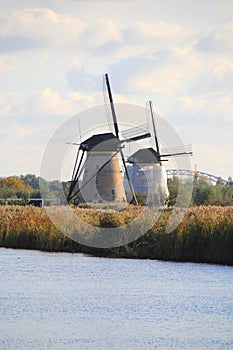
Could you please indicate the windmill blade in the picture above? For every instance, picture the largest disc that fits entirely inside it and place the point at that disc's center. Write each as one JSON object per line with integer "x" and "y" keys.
{"x": 177, "y": 151}
{"x": 117, "y": 135}
{"x": 137, "y": 138}
{"x": 107, "y": 107}
{"x": 112, "y": 106}
{"x": 73, "y": 143}
{"x": 176, "y": 154}
{"x": 134, "y": 131}
{"x": 74, "y": 170}
{"x": 154, "y": 128}
{"x": 128, "y": 179}
{"x": 75, "y": 175}
{"x": 75, "y": 165}
{"x": 182, "y": 148}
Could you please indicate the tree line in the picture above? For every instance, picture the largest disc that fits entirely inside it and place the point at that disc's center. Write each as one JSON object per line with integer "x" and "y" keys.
{"x": 204, "y": 193}
{"x": 27, "y": 186}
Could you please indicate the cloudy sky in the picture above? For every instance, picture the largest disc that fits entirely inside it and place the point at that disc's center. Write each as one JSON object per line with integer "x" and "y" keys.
{"x": 178, "y": 53}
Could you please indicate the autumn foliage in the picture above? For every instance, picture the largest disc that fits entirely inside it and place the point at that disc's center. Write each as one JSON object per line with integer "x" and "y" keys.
{"x": 14, "y": 183}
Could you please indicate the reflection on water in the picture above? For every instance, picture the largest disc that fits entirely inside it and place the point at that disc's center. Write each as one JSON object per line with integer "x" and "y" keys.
{"x": 70, "y": 301}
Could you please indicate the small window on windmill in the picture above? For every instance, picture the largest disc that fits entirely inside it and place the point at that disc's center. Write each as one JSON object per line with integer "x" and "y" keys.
{"x": 97, "y": 180}
{"x": 97, "y": 166}
{"x": 112, "y": 191}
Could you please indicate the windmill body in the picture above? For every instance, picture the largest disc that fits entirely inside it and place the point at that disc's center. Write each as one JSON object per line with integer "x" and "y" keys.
{"x": 102, "y": 177}
{"x": 148, "y": 176}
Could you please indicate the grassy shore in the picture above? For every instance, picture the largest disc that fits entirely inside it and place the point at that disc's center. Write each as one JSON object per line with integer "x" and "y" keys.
{"x": 204, "y": 235}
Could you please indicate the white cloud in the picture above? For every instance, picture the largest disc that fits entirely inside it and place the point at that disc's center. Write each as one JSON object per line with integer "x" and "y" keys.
{"x": 168, "y": 72}
{"x": 222, "y": 67}
{"x": 216, "y": 40}
{"x": 49, "y": 102}
{"x": 101, "y": 32}
{"x": 78, "y": 97}
{"x": 21, "y": 133}
{"x": 6, "y": 99}
{"x": 224, "y": 7}
{"x": 215, "y": 77}
{"x": 144, "y": 32}
{"x": 3, "y": 65}
{"x": 187, "y": 101}
{"x": 46, "y": 107}
{"x": 38, "y": 27}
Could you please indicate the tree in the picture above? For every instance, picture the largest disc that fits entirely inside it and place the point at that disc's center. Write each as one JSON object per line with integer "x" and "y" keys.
{"x": 14, "y": 183}
{"x": 173, "y": 185}
{"x": 201, "y": 193}
{"x": 30, "y": 180}
{"x": 6, "y": 192}
{"x": 203, "y": 180}
{"x": 229, "y": 181}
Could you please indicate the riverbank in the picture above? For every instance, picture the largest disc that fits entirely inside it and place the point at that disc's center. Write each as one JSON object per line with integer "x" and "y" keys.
{"x": 205, "y": 234}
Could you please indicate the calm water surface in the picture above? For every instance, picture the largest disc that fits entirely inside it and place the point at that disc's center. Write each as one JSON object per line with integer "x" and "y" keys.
{"x": 70, "y": 301}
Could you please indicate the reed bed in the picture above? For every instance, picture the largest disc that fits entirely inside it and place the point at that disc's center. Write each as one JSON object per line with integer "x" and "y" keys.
{"x": 204, "y": 235}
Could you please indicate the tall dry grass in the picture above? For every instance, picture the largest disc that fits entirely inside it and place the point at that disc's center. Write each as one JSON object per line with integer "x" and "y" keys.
{"x": 204, "y": 235}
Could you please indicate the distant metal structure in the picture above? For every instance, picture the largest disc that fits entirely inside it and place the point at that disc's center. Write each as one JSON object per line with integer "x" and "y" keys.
{"x": 196, "y": 174}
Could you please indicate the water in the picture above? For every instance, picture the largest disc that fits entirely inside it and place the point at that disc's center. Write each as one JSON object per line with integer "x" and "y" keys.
{"x": 70, "y": 301}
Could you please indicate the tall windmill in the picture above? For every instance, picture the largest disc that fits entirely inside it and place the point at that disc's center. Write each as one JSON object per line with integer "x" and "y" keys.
{"x": 148, "y": 175}
{"x": 98, "y": 159}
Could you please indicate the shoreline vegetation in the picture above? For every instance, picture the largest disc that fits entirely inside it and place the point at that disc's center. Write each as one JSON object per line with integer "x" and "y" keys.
{"x": 205, "y": 234}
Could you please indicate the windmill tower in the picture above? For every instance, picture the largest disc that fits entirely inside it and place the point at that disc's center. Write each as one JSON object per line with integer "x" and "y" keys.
{"x": 98, "y": 159}
{"x": 148, "y": 175}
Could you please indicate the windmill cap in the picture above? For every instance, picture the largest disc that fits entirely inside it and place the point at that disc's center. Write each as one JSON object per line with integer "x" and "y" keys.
{"x": 101, "y": 142}
{"x": 144, "y": 156}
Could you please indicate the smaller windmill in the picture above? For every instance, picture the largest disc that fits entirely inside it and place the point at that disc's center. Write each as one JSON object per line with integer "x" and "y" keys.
{"x": 147, "y": 174}
{"x": 98, "y": 160}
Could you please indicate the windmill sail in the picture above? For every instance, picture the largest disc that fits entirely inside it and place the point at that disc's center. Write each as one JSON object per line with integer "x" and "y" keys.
{"x": 74, "y": 178}
{"x": 154, "y": 128}
{"x": 112, "y": 106}
{"x": 165, "y": 152}
{"x": 177, "y": 151}
{"x": 136, "y": 133}
{"x": 117, "y": 135}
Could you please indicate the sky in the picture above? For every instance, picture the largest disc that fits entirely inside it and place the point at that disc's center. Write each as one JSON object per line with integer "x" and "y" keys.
{"x": 177, "y": 53}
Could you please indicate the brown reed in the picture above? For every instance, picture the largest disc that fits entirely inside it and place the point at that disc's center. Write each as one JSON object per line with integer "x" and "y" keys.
{"x": 204, "y": 235}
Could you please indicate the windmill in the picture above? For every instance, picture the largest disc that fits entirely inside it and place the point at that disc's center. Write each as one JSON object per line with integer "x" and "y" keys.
{"x": 147, "y": 174}
{"x": 98, "y": 159}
